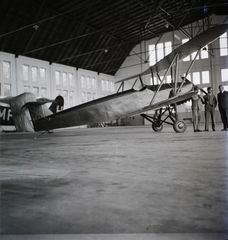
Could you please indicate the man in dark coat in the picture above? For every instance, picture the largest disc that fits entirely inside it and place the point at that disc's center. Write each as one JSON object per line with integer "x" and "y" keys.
{"x": 223, "y": 106}
{"x": 210, "y": 102}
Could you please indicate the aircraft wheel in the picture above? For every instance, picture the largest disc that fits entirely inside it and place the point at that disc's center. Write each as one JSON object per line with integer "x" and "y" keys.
{"x": 156, "y": 127}
{"x": 179, "y": 126}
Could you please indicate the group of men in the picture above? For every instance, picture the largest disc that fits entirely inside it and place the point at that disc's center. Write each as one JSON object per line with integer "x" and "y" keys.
{"x": 210, "y": 102}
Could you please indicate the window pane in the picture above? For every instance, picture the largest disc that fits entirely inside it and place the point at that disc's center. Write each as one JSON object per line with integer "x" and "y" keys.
{"x": 6, "y": 69}
{"x": 83, "y": 97}
{"x": 224, "y": 75}
{"x": 168, "y": 48}
{"x": 205, "y": 77}
{"x": 57, "y": 78}
{"x": 34, "y": 74}
{"x": 71, "y": 80}
{"x": 26, "y": 89}
{"x": 65, "y": 82}
{"x": 160, "y": 51}
{"x": 43, "y": 75}
{"x": 43, "y": 92}
{"x": 7, "y": 89}
{"x": 25, "y": 72}
{"x": 88, "y": 96}
{"x": 94, "y": 83}
{"x": 223, "y": 44}
{"x": 65, "y": 96}
{"x": 35, "y": 91}
{"x": 204, "y": 53}
{"x": 83, "y": 82}
{"x": 58, "y": 92}
{"x": 196, "y": 78}
{"x": 152, "y": 54}
{"x": 94, "y": 96}
{"x": 71, "y": 99}
{"x": 88, "y": 80}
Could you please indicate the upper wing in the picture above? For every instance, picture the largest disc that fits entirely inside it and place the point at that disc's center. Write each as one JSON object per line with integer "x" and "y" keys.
{"x": 185, "y": 50}
{"x": 166, "y": 102}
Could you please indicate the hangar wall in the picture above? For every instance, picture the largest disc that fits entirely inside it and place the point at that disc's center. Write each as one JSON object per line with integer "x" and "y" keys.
{"x": 23, "y": 74}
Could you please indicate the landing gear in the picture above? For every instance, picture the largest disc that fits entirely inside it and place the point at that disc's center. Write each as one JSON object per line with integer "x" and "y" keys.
{"x": 156, "y": 127}
{"x": 166, "y": 115}
{"x": 179, "y": 126}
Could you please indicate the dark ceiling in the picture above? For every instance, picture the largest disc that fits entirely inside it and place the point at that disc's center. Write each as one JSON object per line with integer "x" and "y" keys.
{"x": 77, "y": 32}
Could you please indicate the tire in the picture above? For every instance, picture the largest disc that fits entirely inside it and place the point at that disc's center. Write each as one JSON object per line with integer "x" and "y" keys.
{"x": 156, "y": 127}
{"x": 179, "y": 126}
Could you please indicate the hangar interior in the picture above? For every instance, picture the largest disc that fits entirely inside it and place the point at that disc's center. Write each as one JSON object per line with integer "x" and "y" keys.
{"x": 120, "y": 182}
{"x": 82, "y": 62}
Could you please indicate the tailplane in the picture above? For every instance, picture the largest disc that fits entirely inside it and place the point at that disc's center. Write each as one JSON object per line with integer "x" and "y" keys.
{"x": 26, "y": 109}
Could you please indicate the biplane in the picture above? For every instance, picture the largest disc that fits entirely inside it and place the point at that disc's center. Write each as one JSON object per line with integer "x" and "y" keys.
{"x": 162, "y": 98}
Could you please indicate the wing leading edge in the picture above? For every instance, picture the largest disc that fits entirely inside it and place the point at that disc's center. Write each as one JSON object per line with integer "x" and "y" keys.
{"x": 184, "y": 50}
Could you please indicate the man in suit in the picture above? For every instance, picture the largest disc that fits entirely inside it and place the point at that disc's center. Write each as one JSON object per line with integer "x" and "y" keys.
{"x": 210, "y": 102}
{"x": 223, "y": 106}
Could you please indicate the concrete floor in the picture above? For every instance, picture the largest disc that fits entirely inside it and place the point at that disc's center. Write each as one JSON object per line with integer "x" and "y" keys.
{"x": 115, "y": 183}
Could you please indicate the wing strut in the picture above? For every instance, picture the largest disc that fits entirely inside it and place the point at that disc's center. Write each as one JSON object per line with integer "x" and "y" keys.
{"x": 189, "y": 69}
{"x": 162, "y": 81}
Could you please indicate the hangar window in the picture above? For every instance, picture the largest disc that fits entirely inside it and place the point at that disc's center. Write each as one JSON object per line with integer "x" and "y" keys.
{"x": 160, "y": 51}
{"x": 26, "y": 89}
{"x": 88, "y": 96}
{"x": 43, "y": 92}
{"x": 25, "y": 72}
{"x": 112, "y": 86}
{"x": 107, "y": 86}
{"x": 71, "y": 99}
{"x": 223, "y": 44}
{"x": 88, "y": 81}
{"x": 71, "y": 79}
{"x": 224, "y": 75}
{"x": 94, "y": 83}
{"x": 34, "y": 74}
{"x": 168, "y": 48}
{"x": 7, "y": 89}
{"x": 152, "y": 56}
{"x": 204, "y": 53}
{"x": 6, "y": 69}
{"x": 168, "y": 78}
{"x": 94, "y": 96}
{"x": 196, "y": 77}
{"x": 35, "y": 91}
{"x": 65, "y": 82}
{"x": 83, "y": 97}
{"x": 57, "y": 78}
{"x": 103, "y": 85}
{"x": 65, "y": 96}
{"x": 43, "y": 75}
{"x": 205, "y": 77}
{"x": 83, "y": 82}
{"x": 58, "y": 92}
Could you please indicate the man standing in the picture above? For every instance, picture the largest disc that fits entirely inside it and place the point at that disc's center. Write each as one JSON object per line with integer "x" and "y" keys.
{"x": 196, "y": 111}
{"x": 223, "y": 106}
{"x": 210, "y": 102}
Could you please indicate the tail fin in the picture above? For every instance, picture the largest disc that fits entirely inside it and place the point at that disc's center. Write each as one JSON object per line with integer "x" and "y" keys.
{"x": 26, "y": 109}
{"x": 57, "y": 104}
